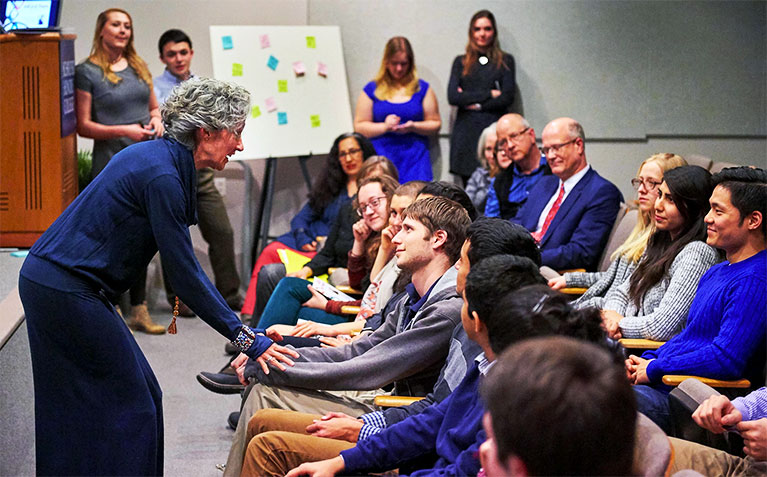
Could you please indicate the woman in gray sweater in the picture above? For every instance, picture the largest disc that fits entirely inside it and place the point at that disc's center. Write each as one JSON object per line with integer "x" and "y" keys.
{"x": 653, "y": 303}
{"x": 626, "y": 257}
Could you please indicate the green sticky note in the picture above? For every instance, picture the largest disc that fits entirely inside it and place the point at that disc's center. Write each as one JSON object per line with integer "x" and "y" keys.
{"x": 255, "y": 112}
{"x": 236, "y": 69}
{"x": 315, "y": 119}
{"x": 311, "y": 42}
{"x": 282, "y": 86}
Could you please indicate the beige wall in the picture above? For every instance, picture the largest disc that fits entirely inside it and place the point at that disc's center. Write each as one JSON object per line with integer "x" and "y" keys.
{"x": 685, "y": 77}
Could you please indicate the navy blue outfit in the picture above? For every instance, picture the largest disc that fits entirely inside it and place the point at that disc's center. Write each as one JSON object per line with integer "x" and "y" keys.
{"x": 409, "y": 152}
{"x": 98, "y": 408}
{"x": 512, "y": 187}
{"x": 581, "y": 227}
{"x": 476, "y": 89}
{"x": 308, "y": 224}
{"x": 450, "y": 431}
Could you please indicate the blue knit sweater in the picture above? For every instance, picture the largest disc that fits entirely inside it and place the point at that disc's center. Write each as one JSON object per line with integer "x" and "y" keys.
{"x": 451, "y": 430}
{"x": 726, "y": 326}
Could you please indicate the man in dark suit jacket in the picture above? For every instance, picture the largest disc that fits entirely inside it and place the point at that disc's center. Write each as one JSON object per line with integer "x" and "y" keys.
{"x": 570, "y": 213}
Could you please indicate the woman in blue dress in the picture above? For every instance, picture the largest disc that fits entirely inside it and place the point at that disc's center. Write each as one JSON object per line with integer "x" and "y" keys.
{"x": 398, "y": 112}
{"x": 98, "y": 408}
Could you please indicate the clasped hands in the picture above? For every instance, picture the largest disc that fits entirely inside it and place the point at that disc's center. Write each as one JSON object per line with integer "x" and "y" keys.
{"x": 718, "y": 414}
{"x": 393, "y": 124}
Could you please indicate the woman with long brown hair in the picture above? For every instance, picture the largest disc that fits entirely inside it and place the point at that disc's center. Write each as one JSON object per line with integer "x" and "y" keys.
{"x": 398, "y": 111}
{"x": 116, "y": 107}
{"x": 482, "y": 87}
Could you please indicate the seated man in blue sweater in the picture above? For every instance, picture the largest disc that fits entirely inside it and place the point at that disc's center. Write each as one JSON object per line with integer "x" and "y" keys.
{"x": 726, "y": 325}
{"x": 445, "y": 438}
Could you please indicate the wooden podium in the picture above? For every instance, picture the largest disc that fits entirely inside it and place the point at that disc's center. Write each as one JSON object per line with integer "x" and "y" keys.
{"x": 38, "y": 161}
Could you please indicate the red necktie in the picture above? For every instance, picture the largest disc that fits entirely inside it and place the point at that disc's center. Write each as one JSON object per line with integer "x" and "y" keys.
{"x": 550, "y": 216}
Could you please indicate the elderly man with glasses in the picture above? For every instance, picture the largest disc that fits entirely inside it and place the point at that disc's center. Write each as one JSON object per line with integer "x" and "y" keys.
{"x": 570, "y": 213}
{"x": 521, "y": 164}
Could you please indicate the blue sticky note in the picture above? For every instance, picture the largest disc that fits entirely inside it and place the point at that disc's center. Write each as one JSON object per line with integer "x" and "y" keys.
{"x": 227, "y": 42}
{"x": 273, "y": 62}
{"x": 24, "y": 253}
{"x": 282, "y": 118}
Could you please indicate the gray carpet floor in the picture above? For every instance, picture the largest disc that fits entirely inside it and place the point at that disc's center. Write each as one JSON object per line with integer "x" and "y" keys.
{"x": 196, "y": 435}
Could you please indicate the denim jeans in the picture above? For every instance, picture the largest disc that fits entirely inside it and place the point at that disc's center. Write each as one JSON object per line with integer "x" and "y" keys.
{"x": 285, "y": 306}
{"x": 655, "y": 405}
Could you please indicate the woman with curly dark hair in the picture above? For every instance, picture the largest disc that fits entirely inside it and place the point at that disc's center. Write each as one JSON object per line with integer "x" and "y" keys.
{"x": 334, "y": 188}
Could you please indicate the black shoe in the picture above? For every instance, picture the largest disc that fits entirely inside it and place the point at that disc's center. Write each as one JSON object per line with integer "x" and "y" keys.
{"x": 231, "y": 349}
{"x": 220, "y": 383}
{"x": 228, "y": 369}
{"x": 233, "y": 419}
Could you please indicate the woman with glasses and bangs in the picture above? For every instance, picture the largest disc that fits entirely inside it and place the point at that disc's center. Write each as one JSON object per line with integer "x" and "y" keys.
{"x": 625, "y": 257}
{"x": 295, "y": 299}
{"x": 335, "y": 187}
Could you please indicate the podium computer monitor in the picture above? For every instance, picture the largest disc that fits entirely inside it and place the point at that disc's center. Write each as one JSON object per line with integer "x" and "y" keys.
{"x": 33, "y": 16}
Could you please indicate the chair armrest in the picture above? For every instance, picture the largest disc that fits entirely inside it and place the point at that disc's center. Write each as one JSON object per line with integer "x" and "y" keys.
{"x": 638, "y": 343}
{"x": 573, "y": 290}
{"x": 348, "y": 290}
{"x": 675, "y": 380}
{"x": 572, "y": 270}
{"x": 395, "y": 401}
{"x": 350, "y": 310}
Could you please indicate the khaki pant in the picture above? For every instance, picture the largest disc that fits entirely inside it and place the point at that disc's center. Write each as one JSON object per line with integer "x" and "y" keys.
{"x": 278, "y": 442}
{"x": 709, "y": 461}
{"x": 260, "y": 397}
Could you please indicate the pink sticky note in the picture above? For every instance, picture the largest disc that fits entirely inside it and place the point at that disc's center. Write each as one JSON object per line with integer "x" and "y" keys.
{"x": 322, "y": 69}
{"x": 264, "y": 41}
{"x": 298, "y": 68}
{"x": 271, "y": 104}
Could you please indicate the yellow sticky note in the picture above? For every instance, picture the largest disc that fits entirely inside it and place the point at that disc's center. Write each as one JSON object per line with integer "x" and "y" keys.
{"x": 255, "y": 112}
{"x": 282, "y": 86}
{"x": 236, "y": 69}
{"x": 311, "y": 42}
{"x": 315, "y": 119}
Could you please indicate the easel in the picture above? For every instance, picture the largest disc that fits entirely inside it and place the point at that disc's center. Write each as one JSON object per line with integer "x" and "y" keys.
{"x": 253, "y": 245}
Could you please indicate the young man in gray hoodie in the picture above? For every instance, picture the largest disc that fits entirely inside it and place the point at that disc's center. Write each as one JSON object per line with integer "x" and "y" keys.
{"x": 407, "y": 350}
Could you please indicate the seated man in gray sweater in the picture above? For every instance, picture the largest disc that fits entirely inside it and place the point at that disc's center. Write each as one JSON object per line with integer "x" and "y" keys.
{"x": 407, "y": 350}
{"x": 485, "y": 238}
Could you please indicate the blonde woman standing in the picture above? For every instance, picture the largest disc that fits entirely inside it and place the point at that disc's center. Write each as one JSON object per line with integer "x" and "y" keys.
{"x": 398, "y": 112}
{"x": 116, "y": 107}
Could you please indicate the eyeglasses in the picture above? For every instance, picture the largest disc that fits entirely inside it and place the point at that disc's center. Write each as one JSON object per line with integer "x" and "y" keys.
{"x": 556, "y": 147}
{"x": 372, "y": 203}
{"x": 649, "y": 184}
{"x": 350, "y": 152}
{"x": 513, "y": 137}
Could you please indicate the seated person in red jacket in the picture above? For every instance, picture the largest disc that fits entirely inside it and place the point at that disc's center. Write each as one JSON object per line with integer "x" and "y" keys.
{"x": 557, "y": 406}
{"x": 726, "y": 325}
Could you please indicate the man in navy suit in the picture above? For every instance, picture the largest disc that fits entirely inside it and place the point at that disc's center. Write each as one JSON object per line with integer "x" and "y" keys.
{"x": 570, "y": 213}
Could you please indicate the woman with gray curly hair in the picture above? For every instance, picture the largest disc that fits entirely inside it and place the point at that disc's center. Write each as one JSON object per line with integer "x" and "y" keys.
{"x": 98, "y": 408}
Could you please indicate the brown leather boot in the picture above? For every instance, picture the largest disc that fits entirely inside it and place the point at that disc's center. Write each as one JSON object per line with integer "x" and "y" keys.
{"x": 141, "y": 321}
